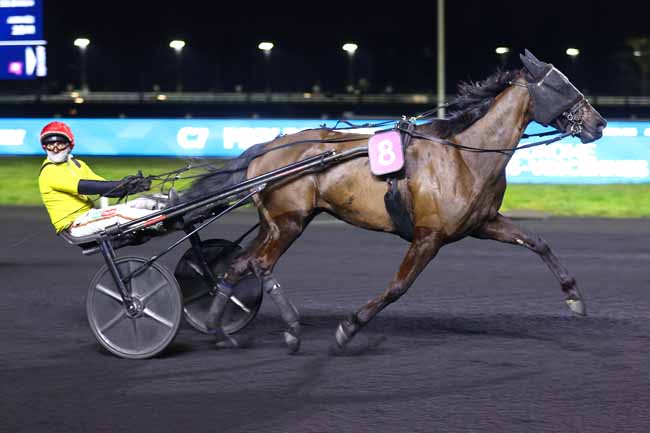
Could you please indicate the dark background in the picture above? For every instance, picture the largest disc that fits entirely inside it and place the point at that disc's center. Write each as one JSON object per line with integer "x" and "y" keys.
{"x": 397, "y": 43}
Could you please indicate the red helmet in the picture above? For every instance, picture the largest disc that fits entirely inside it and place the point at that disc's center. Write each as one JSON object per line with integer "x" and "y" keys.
{"x": 57, "y": 131}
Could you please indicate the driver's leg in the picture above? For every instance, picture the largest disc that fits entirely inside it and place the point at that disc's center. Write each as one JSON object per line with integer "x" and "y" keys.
{"x": 96, "y": 220}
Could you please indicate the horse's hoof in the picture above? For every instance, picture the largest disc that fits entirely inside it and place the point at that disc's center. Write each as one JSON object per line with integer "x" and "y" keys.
{"x": 225, "y": 341}
{"x": 228, "y": 342}
{"x": 577, "y": 306}
{"x": 292, "y": 341}
{"x": 574, "y": 301}
{"x": 342, "y": 338}
{"x": 292, "y": 337}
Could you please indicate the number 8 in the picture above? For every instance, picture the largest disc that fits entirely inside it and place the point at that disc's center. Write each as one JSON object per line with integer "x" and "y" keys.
{"x": 386, "y": 155}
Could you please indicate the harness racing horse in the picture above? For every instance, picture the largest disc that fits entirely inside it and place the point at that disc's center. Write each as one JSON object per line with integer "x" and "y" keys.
{"x": 454, "y": 185}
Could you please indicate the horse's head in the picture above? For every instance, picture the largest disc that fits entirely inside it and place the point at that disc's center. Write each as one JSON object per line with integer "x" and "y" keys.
{"x": 558, "y": 103}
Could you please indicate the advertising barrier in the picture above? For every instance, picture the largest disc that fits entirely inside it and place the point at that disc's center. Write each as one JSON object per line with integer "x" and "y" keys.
{"x": 621, "y": 156}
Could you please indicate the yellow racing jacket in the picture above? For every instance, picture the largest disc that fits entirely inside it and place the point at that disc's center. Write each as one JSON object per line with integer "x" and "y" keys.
{"x": 58, "y": 184}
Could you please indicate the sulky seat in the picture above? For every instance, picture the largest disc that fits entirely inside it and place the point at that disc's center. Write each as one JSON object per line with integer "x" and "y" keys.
{"x": 90, "y": 244}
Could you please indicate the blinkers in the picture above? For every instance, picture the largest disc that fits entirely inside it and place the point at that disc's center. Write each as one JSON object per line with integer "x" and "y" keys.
{"x": 552, "y": 93}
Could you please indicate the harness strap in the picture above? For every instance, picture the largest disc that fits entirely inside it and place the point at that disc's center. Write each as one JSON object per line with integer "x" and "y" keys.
{"x": 406, "y": 128}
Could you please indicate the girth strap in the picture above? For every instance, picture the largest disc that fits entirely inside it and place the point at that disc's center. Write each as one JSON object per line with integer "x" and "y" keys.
{"x": 397, "y": 210}
{"x": 393, "y": 199}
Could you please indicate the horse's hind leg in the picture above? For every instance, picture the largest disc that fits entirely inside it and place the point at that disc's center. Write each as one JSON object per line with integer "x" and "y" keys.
{"x": 424, "y": 247}
{"x": 283, "y": 231}
{"x": 275, "y": 237}
{"x": 502, "y": 229}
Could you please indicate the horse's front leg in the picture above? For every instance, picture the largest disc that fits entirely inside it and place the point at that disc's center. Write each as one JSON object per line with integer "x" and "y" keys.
{"x": 502, "y": 229}
{"x": 423, "y": 248}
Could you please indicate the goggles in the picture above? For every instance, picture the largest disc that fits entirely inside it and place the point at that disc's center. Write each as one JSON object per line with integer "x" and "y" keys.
{"x": 55, "y": 142}
{"x": 56, "y": 146}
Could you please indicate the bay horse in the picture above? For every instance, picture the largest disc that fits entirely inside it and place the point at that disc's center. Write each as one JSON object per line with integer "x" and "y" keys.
{"x": 448, "y": 192}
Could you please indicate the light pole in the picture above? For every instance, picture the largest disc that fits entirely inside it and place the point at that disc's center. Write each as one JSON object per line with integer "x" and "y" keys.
{"x": 178, "y": 46}
{"x": 441, "y": 58}
{"x": 82, "y": 43}
{"x": 641, "y": 57}
{"x": 351, "y": 49}
{"x": 266, "y": 48}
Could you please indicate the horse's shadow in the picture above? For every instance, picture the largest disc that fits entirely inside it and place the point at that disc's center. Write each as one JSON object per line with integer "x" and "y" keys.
{"x": 566, "y": 331}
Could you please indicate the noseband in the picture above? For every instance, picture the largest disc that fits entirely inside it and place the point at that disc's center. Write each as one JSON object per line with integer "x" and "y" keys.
{"x": 574, "y": 116}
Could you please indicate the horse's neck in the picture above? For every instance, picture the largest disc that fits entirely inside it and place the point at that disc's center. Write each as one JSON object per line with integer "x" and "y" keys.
{"x": 500, "y": 128}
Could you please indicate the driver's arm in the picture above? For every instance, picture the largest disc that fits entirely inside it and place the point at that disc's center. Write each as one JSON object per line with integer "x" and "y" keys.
{"x": 115, "y": 188}
{"x": 106, "y": 188}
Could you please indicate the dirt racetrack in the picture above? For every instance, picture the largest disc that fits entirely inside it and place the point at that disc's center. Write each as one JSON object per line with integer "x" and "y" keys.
{"x": 483, "y": 341}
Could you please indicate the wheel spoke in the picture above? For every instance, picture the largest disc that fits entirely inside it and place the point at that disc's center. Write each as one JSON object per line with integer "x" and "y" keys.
{"x": 114, "y": 321}
{"x": 153, "y": 291}
{"x": 135, "y": 333}
{"x": 130, "y": 285}
{"x": 196, "y": 296}
{"x": 148, "y": 312}
{"x": 239, "y": 303}
{"x": 195, "y": 267}
{"x": 105, "y": 290}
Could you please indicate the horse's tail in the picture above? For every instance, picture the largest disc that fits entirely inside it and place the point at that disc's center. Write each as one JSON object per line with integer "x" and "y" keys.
{"x": 217, "y": 180}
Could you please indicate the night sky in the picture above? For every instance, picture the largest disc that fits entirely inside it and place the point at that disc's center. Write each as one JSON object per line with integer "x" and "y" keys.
{"x": 397, "y": 44}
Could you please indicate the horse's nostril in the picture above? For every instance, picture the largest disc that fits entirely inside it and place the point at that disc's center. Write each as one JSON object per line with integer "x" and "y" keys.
{"x": 602, "y": 123}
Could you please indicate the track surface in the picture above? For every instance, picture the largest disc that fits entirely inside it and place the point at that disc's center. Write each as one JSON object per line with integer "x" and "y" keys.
{"x": 482, "y": 342}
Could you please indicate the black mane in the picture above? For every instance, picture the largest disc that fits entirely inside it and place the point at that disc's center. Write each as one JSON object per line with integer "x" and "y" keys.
{"x": 473, "y": 102}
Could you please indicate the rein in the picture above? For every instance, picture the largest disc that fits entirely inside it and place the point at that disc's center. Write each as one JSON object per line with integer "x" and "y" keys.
{"x": 404, "y": 128}
{"x": 412, "y": 133}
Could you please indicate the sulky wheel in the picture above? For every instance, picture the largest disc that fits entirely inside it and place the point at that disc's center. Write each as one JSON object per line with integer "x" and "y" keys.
{"x": 197, "y": 293}
{"x": 150, "y": 327}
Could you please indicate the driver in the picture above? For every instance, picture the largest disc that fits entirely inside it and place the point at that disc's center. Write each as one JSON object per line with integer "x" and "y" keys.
{"x": 65, "y": 183}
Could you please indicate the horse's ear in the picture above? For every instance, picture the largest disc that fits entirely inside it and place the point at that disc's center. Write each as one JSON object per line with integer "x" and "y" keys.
{"x": 531, "y": 56}
{"x": 536, "y": 67}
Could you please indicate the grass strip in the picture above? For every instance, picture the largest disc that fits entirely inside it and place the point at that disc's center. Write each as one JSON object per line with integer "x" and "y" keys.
{"x": 19, "y": 186}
